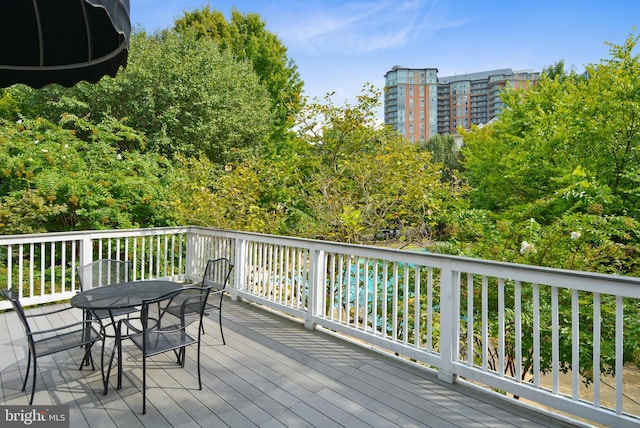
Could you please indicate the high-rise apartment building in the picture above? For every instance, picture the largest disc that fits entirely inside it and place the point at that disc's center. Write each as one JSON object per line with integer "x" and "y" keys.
{"x": 411, "y": 102}
{"x": 419, "y": 104}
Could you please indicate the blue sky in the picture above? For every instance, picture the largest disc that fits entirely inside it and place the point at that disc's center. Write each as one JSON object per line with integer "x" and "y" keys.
{"x": 340, "y": 45}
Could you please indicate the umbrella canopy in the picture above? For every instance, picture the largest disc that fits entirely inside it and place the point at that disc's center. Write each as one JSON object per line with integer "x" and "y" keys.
{"x": 62, "y": 41}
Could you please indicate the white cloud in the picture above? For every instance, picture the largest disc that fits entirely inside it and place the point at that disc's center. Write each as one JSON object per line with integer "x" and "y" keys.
{"x": 360, "y": 26}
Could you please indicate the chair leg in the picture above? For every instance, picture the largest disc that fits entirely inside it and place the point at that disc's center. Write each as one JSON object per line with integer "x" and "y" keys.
{"x": 180, "y": 356}
{"x": 26, "y": 374}
{"x": 144, "y": 385}
{"x": 87, "y": 358}
{"x": 119, "y": 350}
{"x": 105, "y": 377}
{"x": 183, "y": 356}
{"x": 199, "y": 378}
{"x": 33, "y": 386}
{"x": 220, "y": 322}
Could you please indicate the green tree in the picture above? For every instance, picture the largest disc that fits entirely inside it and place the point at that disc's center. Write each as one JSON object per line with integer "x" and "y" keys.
{"x": 444, "y": 151}
{"x": 563, "y": 153}
{"x": 334, "y": 133}
{"x": 367, "y": 178}
{"x": 554, "y": 183}
{"x": 247, "y": 39}
{"x": 50, "y": 180}
{"x": 345, "y": 178}
{"x": 26, "y": 211}
{"x": 182, "y": 93}
{"x": 230, "y": 198}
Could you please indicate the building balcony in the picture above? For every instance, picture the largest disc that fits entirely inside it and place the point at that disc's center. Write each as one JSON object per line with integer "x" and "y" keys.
{"x": 330, "y": 334}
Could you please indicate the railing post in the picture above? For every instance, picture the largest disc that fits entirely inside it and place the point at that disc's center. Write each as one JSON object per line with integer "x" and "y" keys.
{"x": 316, "y": 287}
{"x": 240, "y": 268}
{"x": 190, "y": 255}
{"x": 449, "y": 324}
{"x": 86, "y": 257}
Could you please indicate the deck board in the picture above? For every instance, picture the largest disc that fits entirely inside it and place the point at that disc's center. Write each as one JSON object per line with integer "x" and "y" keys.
{"x": 272, "y": 372}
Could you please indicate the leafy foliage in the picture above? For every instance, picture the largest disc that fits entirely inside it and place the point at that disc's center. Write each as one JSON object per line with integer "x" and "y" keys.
{"x": 246, "y": 39}
{"x": 554, "y": 183}
{"x": 52, "y": 181}
{"x": 345, "y": 179}
{"x": 227, "y": 199}
{"x": 367, "y": 178}
{"x": 563, "y": 154}
{"x": 183, "y": 94}
{"x": 445, "y": 151}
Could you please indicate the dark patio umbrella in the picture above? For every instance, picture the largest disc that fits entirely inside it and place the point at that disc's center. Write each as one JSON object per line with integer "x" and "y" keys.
{"x": 62, "y": 41}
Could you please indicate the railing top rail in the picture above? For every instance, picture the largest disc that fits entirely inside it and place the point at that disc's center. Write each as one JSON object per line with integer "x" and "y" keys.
{"x": 67, "y": 236}
{"x": 40, "y": 237}
{"x": 588, "y": 281}
{"x": 138, "y": 232}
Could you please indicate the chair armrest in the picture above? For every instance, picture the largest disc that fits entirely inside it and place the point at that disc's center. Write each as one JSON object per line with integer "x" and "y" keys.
{"x": 127, "y": 322}
{"x": 189, "y": 301}
{"x": 67, "y": 326}
{"x": 67, "y": 308}
{"x": 168, "y": 330}
{"x": 137, "y": 328}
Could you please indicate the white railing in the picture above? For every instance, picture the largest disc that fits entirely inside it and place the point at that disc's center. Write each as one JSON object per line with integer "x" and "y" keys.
{"x": 42, "y": 267}
{"x": 483, "y": 321}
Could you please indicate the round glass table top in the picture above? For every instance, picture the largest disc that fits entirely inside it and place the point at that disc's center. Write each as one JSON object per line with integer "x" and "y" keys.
{"x": 123, "y": 295}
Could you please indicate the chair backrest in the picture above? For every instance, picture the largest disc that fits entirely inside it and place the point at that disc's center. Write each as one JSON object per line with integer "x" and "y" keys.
{"x": 186, "y": 304}
{"x": 104, "y": 272}
{"x": 217, "y": 273}
{"x": 12, "y": 297}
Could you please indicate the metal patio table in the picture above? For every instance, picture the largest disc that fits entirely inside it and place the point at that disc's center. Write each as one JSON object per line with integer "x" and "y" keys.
{"x": 120, "y": 296}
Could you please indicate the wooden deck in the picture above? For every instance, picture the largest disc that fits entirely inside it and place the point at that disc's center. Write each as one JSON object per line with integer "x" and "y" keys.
{"x": 272, "y": 373}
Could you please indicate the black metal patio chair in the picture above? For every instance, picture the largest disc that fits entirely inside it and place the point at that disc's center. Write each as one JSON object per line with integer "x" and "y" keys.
{"x": 216, "y": 275}
{"x": 157, "y": 331}
{"x": 100, "y": 273}
{"x": 106, "y": 272}
{"x": 47, "y": 342}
